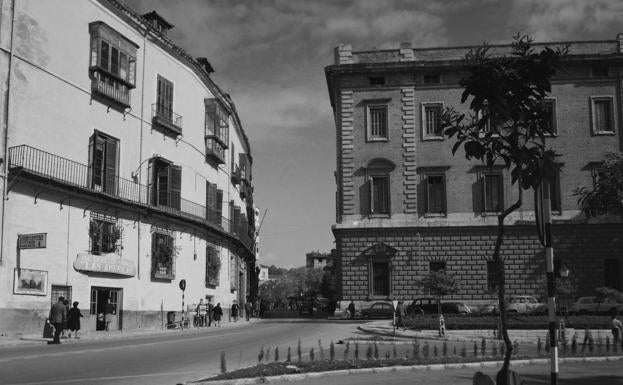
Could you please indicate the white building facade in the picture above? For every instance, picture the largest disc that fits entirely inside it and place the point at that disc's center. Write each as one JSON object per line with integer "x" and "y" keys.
{"x": 125, "y": 170}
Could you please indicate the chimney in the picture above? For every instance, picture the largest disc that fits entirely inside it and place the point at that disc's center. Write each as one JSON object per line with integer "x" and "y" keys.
{"x": 344, "y": 54}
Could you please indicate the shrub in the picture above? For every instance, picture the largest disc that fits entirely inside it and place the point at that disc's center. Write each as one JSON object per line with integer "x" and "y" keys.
{"x": 599, "y": 342}
{"x": 321, "y": 350}
{"x": 425, "y": 350}
{"x": 444, "y": 349}
{"x": 311, "y": 354}
{"x": 346, "y": 350}
{"x": 475, "y": 349}
{"x": 276, "y": 353}
{"x": 260, "y": 355}
{"x": 607, "y": 344}
{"x": 394, "y": 351}
{"x": 502, "y": 349}
{"x": 464, "y": 351}
{"x": 539, "y": 346}
{"x": 289, "y": 356}
{"x": 223, "y": 363}
{"x": 494, "y": 350}
{"x": 547, "y": 343}
{"x": 483, "y": 347}
{"x": 454, "y": 351}
{"x": 435, "y": 351}
{"x": 369, "y": 352}
{"x": 299, "y": 352}
{"x": 356, "y": 350}
{"x": 574, "y": 343}
{"x": 407, "y": 354}
{"x": 376, "y": 351}
{"x": 515, "y": 347}
{"x": 331, "y": 351}
{"x": 416, "y": 350}
{"x": 387, "y": 355}
{"x": 591, "y": 344}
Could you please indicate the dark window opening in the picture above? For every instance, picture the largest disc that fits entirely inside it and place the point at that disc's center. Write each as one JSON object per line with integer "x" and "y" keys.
{"x": 493, "y": 196}
{"x": 612, "y": 274}
{"x": 492, "y": 276}
{"x": 377, "y": 81}
{"x": 435, "y": 267}
{"x": 165, "y": 183}
{"x": 435, "y": 194}
{"x": 377, "y": 122}
{"x": 433, "y": 78}
{"x": 379, "y": 194}
{"x": 600, "y": 70}
{"x": 103, "y": 162}
{"x": 380, "y": 278}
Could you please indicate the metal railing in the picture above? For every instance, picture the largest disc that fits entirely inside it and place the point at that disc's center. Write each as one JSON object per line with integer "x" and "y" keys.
{"x": 166, "y": 116}
{"x": 43, "y": 164}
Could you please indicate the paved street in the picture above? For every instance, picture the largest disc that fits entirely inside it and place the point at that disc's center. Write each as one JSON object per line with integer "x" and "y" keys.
{"x": 599, "y": 373}
{"x": 167, "y": 358}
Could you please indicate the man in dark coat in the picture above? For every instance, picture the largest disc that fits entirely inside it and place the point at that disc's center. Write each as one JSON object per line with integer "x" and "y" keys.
{"x": 210, "y": 311}
{"x": 58, "y": 317}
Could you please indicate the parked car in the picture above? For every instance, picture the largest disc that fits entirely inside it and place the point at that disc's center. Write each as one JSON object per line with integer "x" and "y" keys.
{"x": 378, "y": 310}
{"x": 429, "y": 306}
{"x": 595, "y": 304}
{"x": 522, "y": 304}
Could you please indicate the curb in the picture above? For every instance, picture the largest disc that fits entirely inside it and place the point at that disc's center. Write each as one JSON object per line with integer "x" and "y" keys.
{"x": 392, "y": 369}
{"x": 448, "y": 337}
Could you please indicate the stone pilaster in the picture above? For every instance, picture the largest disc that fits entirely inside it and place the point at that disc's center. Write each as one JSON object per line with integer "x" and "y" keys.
{"x": 406, "y": 52}
{"x": 409, "y": 174}
{"x": 343, "y": 54}
{"x": 346, "y": 149}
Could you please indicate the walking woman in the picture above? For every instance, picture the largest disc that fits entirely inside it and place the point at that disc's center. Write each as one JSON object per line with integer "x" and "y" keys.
{"x": 218, "y": 314}
{"x": 73, "y": 320}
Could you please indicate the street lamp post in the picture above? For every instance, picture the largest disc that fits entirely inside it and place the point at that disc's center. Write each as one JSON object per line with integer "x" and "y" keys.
{"x": 564, "y": 274}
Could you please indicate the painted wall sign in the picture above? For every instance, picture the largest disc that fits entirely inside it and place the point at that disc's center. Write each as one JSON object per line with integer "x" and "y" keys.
{"x": 32, "y": 241}
{"x": 109, "y": 263}
{"x": 30, "y": 282}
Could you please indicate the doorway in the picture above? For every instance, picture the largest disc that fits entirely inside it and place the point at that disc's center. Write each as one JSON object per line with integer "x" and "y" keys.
{"x": 99, "y": 299}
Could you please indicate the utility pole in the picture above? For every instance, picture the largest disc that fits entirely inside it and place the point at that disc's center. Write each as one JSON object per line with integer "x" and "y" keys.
{"x": 543, "y": 211}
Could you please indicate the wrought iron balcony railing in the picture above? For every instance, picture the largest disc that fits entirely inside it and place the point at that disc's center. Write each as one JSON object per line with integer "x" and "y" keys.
{"x": 111, "y": 88}
{"x": 27, "y": 160}
{"x": 165, "y": 117}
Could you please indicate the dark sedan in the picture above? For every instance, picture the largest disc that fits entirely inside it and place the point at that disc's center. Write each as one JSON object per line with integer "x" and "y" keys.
{"x": 378, "y": 310}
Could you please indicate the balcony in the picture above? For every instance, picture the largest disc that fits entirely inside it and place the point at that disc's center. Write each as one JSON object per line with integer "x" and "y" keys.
{"x": 110, "y": 88}
{"x": 215, "y": 151}
{"x": 165, "y": 120}
{"x": 40, "y": 166}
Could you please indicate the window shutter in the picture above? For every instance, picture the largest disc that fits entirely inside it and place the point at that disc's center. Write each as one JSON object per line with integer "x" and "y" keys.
{"x": 211, "y": 201}
{"x": 151, "y": 194}
{"x": 237, "y": 219}
{"x": 233, "y": 158}
{"x": 370, "y": 196}
{"x": 176, "y": 186}
{"x": 91, "y": 157}
{"x": 219, "y": 207}
{"x": 231, "y": 217}
{"x": 112, "y": 159}
{"x": 159, "y": 96}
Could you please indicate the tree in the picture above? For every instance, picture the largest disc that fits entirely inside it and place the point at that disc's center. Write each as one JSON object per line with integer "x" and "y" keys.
{"x": 507, "y": 124}
{"x": 606, "y": 196}
{"x": 439, "y": 284}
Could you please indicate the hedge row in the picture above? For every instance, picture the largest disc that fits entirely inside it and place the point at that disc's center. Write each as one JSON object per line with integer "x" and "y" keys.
{"x": 514, "y": 322}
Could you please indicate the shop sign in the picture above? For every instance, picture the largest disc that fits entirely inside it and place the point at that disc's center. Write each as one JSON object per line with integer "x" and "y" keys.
{"x": 32, "y": 241}
{"x": 107, "y": 263}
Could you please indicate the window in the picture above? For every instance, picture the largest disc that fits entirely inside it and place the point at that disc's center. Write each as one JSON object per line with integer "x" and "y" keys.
{"x": 376, "y": 118}
{"x": 380, "y": 278}
{"x": 213, "y": 266}
{"x": 602, "y": 115}
{"x": 112, "y": 65}
{"x": 431, "y": 120}
{"x": 60, "y": 291}
{"x": 377, "y": 81}
{"x": 163, "y": 252}
{"x": 216, "y": 130}
{"x": 435, "y": 194}
{"x": 165, "y": 180}
{"x": 104, "y": 234}
{"x": 492, "y": 276}
{"x": 163, "y": 117}
{"x": 432, "y": 78}
{"x": 492, "y": 192}
{"x": 214, "y": 204}
{"x": 612, "y": 274}
{"x": 550, "y": 127}
{"x": 103, "y": 162}
{"x": 600, "y": 70}
{"x": 379, "y": 195}
{"x": 435, "y": 267}
{"x": 554, "y": 193}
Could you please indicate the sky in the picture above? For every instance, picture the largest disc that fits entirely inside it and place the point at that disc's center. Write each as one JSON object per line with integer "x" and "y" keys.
{"x": 269, "y": 55}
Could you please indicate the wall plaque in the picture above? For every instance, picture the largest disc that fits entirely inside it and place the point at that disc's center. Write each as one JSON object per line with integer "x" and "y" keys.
{"x": 108, "y": 263}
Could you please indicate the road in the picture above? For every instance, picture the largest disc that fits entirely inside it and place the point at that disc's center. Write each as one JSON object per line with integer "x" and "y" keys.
{"x": 167, "y": 358}
{"x": 598, "y": 373}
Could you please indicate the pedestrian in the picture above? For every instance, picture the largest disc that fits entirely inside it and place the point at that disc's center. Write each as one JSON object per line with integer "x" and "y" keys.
{"x": 351, "y": 310}
{"x": 201, "y": 313}
{"x": 210, "y": 311}
{"x": 400, "y": 315}
{"x": 58, "y": 315}
{"x": 247, "y": 310}
{"x": 109, "y": 311}
{"x": 65, "y": 330}
{"x": 218, "y": 314}
{"x": 73, "y": 320}
{"x": 617, "y": 328}
{"x": 234, "y": 311}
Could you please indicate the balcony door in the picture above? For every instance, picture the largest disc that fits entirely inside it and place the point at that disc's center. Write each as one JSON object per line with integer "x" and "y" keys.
{"x": 103, "y": 162}
{"x": 165, "y": 181}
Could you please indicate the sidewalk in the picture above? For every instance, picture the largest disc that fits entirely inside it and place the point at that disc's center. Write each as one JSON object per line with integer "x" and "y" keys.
{"x": 85, "y": 336}
{"x": 384, "y": 328}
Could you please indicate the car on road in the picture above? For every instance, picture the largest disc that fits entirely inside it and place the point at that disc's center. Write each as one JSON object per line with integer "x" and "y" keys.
{"x": 430, "y": 306}
{"x": 594, "y": 304}
{"x": 522, "y": 304}
{"x": 378, "y": 310}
